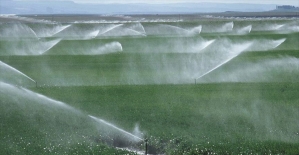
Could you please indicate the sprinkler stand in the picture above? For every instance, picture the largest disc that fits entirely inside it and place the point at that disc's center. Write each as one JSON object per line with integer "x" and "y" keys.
{"x": 145, "y": 141}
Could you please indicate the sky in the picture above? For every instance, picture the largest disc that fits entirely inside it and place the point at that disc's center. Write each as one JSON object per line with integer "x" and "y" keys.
{"x": 278, "y": 2}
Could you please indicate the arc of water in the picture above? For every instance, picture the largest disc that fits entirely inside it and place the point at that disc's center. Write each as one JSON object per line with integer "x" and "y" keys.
{"x": 226, "y": 61}
{"x": 176, "y": 27}
{"x": 202, "y": 45}
{"x": 142, "y": 28}
{"x": 62, "y": 28}
{"x": 208, "y": 43}
{"x": 107, "y": 48}
{"x": 231, "y": 24}
{"x": 217, "y": 66}
{"x": 15, "y": 70}
{"x": 196, "y": 29}
{"x": 278, "y": 42}
{"x": 54, "y": 42}
{"x": 140, "y": 33}
{"x": 138, "y": 27}
{"x": 92, "y": 35}
{"x": 33, "y": 32}
{"x": 228, "y": 26}
{"x": 53, "y": 101}
{"x": 115, "y": 127}
{"x": 111, "y": 28}
{"x": 244, "y": 30}
{"x": 249, "y": 28}
{"x": 121, "y": 47}
{"x": 276, "y": 27}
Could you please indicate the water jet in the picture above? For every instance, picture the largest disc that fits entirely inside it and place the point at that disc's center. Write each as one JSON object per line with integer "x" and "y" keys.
{"x": 116, "y": 128}
{"x": 9, "y": 68}
{"x": 110, "y": 29}
{"x": 237, "y": 50}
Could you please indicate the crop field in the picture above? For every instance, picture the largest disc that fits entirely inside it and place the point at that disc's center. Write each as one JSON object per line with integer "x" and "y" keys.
{"x": 160, "y": 86}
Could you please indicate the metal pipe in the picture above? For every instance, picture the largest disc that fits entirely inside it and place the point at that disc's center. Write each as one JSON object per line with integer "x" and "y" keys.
{"x": 145, "y": 146}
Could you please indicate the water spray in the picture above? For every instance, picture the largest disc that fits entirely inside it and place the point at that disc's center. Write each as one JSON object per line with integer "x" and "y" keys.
{"x": 62, "y": 28}
{"x": 53, "y": 43}
{"x": 245, "y": 46}
{"x": 123, "y": 131}
{"x": 137, "y": 32}
{"x": 17, "y": 71}
{"x": 115, "y": 127}
{"x": 111, "y": 28}
{"x": 33, "y": 32}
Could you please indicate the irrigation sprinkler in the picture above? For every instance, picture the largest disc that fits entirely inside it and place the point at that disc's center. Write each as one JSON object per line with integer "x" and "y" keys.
{"x": 122, "y": 131}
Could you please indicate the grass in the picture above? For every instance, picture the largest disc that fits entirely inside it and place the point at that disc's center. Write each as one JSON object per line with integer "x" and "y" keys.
{"x": 150, "y": 84}
{"x": 205, "y": 116}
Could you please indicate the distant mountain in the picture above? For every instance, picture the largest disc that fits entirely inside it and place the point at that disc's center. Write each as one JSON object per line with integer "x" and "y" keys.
{"x": 69, "y": 7}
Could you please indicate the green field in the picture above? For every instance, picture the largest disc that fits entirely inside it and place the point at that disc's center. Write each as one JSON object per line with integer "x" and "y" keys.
{"x": 206, "y": 86}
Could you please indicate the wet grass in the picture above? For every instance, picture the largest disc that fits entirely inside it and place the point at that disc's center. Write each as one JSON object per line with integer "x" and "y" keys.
{"x": 128, "y": 88}
{"x": 219, "y": 118}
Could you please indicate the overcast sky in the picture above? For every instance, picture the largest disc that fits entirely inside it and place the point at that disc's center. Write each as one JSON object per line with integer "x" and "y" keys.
{"x": 279, "y": 2}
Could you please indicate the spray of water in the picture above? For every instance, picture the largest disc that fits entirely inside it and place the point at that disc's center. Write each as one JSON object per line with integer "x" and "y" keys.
{"x": 137, "y": 32}
{"x": 283, "y": 69}
{"x": 107, "y": 48}
{"x": 276, "y": 43}
{"x": 171, "y": 45}
{"x": 245, "y": 30}
{"x": 110, "y": 29}
{"x": 288, "y": 28}
{"x": 32, "y": 32}
{"x": 175, "y": 27}
{"x": 227, "y": 27}
{"x": 203, "y": 45}
{"x": 8, "y": 90}
{"x": 5, "y": 66}
{"x": 49, "y": 45}
{"x": 237, "y": 49}
{"x": 164, "y": 29}
{"x": 142, "y": 28}
{"x": 178, "y": 30}
{"x": 92, "y": 35}
{"x": 138, "y": 28}
{"x": 115, "y": 127}
{"x": 196, "y": 30}
{"x": 28, "y": 47}
{"x": 47, "y": 100}
{"x": 59, "y": 29}
{"x": 16, "y": 31}
{"x": 277, "y": 27}
{"x": 265, "y": 45}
